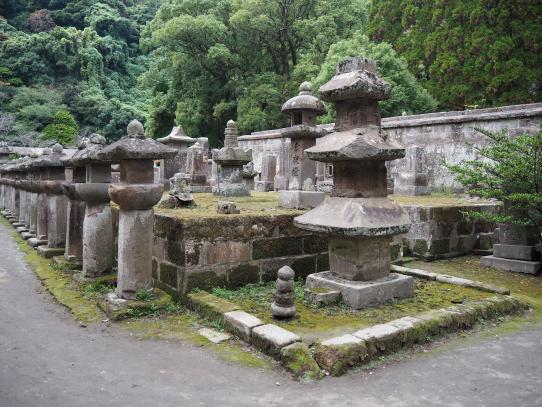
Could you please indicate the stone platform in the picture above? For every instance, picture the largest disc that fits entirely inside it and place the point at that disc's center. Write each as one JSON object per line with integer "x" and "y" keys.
{"x": 363, "y": 294}
{"x": 518, "y": 266}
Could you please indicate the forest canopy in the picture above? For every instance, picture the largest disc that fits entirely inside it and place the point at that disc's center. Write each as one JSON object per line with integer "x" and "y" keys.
{"x": 199, "y": 63}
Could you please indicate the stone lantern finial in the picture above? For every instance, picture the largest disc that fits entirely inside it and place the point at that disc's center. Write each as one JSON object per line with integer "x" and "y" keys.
{"x": 135, "y": 129}
{"x": 230, "y": 134}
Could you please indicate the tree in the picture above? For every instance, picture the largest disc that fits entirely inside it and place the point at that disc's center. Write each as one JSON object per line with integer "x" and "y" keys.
{"x": 468, "y": 53}
{"x": 40, "y": 21}
{"x": 63, "y": 129}
{"x": 511, "y": 171}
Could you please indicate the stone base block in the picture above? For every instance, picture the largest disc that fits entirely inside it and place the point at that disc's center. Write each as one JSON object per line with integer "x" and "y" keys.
{"x": 518, "y": 266}
{"x": 27, "y": 235}
{"x": 17, "y": 224}
{"x": 5, "y": 213}
{"x": 241, "y": 323}
{"x": 67, "y": 264}
{"x": 300, "y": 199}
{"x": 322, "y": 296}
{"x": 411, "y": 190}
{"x": 271, "y": 338}
{"x": 35, "y": 242}
{"x": 231, "y": 190}
{"x": 22, "y": 229}
{"x": 508, "y": 251}
{"x": 117, "y": 308}
{"x": 50, "y": 252}
{"x": 363, "y": 294}
{"x": 264, "y": 186}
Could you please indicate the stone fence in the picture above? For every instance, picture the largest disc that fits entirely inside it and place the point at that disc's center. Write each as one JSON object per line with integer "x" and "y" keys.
{"x": 448, "y": 136}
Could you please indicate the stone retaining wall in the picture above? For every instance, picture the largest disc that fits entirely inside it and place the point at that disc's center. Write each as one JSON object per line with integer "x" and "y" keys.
{"x": 231, "y": 251}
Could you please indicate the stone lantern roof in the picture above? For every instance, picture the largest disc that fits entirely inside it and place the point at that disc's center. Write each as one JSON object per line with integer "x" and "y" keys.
{"x": 355, "y": 78}
{"x": 304, "y": 101}
{"x": 51, "y": 157}
{"x": 89, "y": 151}
{"x": 231, "y": 154}
{"x": 177, "y": 135}
{"x": 136, "y": 146}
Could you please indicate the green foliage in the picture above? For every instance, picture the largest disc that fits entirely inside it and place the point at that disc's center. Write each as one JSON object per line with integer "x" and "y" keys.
{"x": 144, "y": 295}
{"x": 469, "y": 53}
{"x": 217, "y": 60}
{"x": 511, "y": 171}
{"x": 63, "y": 129}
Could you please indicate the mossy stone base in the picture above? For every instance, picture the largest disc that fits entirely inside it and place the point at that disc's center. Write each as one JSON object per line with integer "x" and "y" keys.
{"x": 50, "y": 252}
{"x": 209, "y": 305}
{"x": 119, "y": 309}
{"x": 67, "y": 265}
{"x": 339, "y": 354}
{"x": 297, "y": 359}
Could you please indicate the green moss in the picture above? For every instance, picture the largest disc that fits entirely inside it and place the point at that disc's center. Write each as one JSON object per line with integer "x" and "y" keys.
{"x": 314, "y": 323}
{"x": 209, "y": 305}
{"x": 297, "y": 359}
{"x": 340, "y": 358}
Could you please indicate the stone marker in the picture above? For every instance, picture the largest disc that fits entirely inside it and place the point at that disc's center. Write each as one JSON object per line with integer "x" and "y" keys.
{"x": 248, "y": 175}
{"x": 195, "y": 170}
{"x": 231, "y": 159}
{"x": 227, "y": 208}
{"x": 136, "y": 195}
{"x": 179, "y": 141}
{"x": 180, "y": 190}
{"x": 303, "y": 109}
{"x": 33, "y": 188}
{"x": 358, "y": 216}
{"x": 40, "y": 175}
{"x": 412, "y": 178}
{"x": 281, "y": 179}
{"x": 518, "y": 250}
{"x": 98, "y": 243}
{"x": 284, "y": 305}
{"x": 267, "y": 175}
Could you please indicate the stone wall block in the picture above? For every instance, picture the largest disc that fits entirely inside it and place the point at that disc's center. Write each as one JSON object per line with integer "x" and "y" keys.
{"x": 174, "y": 252}
{"x": 158, "y": 244}
{"x": 315, "y": 244}
{"x": 283, "y": 246}
{"x": 244, "y": 273}
{"x": 169, "y": 274}
{"x": 192, "y": 251}
{"x": 224, "y": 252}
{"x": 204, "y": 278}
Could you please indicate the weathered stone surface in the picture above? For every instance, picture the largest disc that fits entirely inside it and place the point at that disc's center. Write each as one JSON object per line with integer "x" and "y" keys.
{"x": 518, "y": 252}
{"x": 227, "y": 208}
{"x": 337, "y": 355}
{"x": 362, "y": 294}
{"x": 50, "y": 252}
{"x": 322, "y": 296}
{"x": 380, "y": 338}
{"x": 528, "y": 235}
{"x": 213, "y": 335}
{"x": 518, "y": 266}
{"x": 283, "y": 306}
{"x": 117, "y": 308}
{"x": 271, "y": 338}
{"x": 210, "y": 305}
{"x": 297, "y": 359}
{"x": 298, "y": 199}
{"x": 241, "y": 323}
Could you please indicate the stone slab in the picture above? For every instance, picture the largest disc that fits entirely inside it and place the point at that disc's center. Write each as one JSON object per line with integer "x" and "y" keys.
{"x": 17, "y": 224}
{"x": 300, "y": 199}
{"x": 342, "y": 340}
{"x": 27, "y": 235}
{"x": 22, "y": 229}
{"x": 427, "y": 275}
{"x": 322, "y": 296}
{"x": 380, "y": 337}
{"x": 362, "y": 294}
{"x": 271, "y": 338}
{"x": 50, "y": 252}
{"x": 35, "y": 242}
{"x": 518, "y": 266}
{"x": 214, "y": 336}
{"x": 241, "y": 323}
{"x": 516, "y": 252}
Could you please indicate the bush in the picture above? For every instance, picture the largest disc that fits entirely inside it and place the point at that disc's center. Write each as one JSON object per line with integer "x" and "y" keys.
{"x": 63, "y": 129}
{"x": 510, "y": 170}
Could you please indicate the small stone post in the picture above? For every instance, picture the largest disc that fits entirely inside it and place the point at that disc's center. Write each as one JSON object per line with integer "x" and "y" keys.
{"x": 179, "y": 141}
{"x": 231, "y": 159}
{"x": 303, "y": 109}
{"x": 268, "y": 173}
{"x": 136, "y": 195}
{"x": 358, "y": 217}
{"x": 284, "y": 305}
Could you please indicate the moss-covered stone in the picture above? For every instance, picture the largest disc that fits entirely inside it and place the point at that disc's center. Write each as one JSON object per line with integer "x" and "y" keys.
{"x": 276, "y": 247}
{"x": 315, "y": 244}
{"x": 297, "y": 359}
{"x": 169, "y": 274}
{"x": 339, "y": 358}
{"x": 303, "y": 266}
{"x": 440, "y": 247}
{"x": 204, "y": 279}
{"x": 210, "y": 306}
{"x": 136, "y": 308}
{"x": 242, "y": 274}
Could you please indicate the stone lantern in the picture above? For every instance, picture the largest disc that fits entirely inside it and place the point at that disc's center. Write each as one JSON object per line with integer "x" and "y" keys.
{"x": 22, "y": 184}
{"x": 231, "y": 159}
{"x": 52, "y": 176}
{"x": 358, "y": 217}
{"x": 303, "y": 109}
{"x": 179, "y": 141}
{"x": 32, "y": 187}
{"x": 136, "y": 194}
{"x": 93, "y": 190}
{"x": 39, "y": 176}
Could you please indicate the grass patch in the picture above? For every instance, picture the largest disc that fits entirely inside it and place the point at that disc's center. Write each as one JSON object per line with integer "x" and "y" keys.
{"x": 315, "y": 322}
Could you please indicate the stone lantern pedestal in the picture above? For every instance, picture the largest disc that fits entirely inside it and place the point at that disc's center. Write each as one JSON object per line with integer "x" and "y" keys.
{"x": 519, "y": 250}
{"x": 231, "y": 159}
{"x": 301, "y": 192}
{"x": 136, "y": 194}
{"x": 358, "y": 217}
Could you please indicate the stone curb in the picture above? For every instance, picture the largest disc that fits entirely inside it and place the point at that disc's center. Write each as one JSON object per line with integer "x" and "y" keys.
{"x": 337, "y": 355}
{"x": 444, "y": 278}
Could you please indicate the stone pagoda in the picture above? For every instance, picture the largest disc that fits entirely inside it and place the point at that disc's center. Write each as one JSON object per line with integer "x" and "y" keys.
{"x": 179, "y": 141}
{"x": 136, "y": 194}
{"x": 358, "y": 217}
{"x": 231, "y": 159}
{"x": 303, "y": 109}
{"x": 93, "y": 190}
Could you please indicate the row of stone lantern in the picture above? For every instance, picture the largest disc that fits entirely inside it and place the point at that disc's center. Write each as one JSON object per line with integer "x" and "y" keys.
{"x": 60, "y": 202}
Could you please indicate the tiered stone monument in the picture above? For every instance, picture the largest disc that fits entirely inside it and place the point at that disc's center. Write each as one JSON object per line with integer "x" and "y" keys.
{"x": 195, "y": 170}
{"x": 76, "y": 214}
{"x": 284, "y": 305}
{"x": 303, "y": 108}
{"x": 412, "y": 178}
{"x": 93, "y": 190}
{"x": 231, "y": 159}
{"x": 136, "y": 195}
{"x": 179, "y": 141}
{"x": 358, "y": 217}
{"x": 518, "y": 250}
{"x": 267, "y": 175}
{"x": 52, "y": 169}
